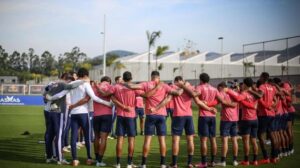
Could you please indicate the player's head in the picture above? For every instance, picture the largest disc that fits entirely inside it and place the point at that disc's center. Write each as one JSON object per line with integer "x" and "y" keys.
{"x": 118, "y": 79}
{"x": 64, "y": 76}
{"x": 204, "y": 78}
{"x": 74, "y": 74}
{"x": 247, "y": 83}
{"x": 106, "y": 79}
{"x": 277, "y": 81}
{"x": 221, "y": 86}
{"x": 155, "y": 75}
{"x": 82, "y": 72}
{"x": 264, "y": 77}
{"x": 127, "y": 76}
{"x": 178, "y": 79}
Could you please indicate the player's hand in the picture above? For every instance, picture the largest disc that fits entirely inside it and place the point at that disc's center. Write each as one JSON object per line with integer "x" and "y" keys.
{"x": 213, "y": 110}
{"x": 71, "y": 107}
{"x": 48, "y": 97}
{"x": 127, "y": 108}
{"x": 152, "y": 110}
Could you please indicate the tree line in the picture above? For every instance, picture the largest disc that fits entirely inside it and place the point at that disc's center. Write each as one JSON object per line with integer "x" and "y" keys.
{"x": 29, "y": 65}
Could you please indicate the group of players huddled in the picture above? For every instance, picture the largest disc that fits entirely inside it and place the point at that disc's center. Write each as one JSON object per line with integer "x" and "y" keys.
{"x": 252, "y": 110}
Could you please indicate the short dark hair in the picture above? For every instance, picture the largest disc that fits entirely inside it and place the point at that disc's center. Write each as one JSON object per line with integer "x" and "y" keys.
{"x": 277, "y": 80}
{"x": 117, "y": 78}
{"x": 127, "y": 76}
{"x": 82, "y": 72}
{"x": 222, "y": 84}
{"x": 178, "y": 78}
{"x": 64, "y": 76}
{"x": 154, "y": 73}
{"x": 204, "y": 77}
{"x": 106, "y": 79}
{"x": 265, "y": 76}
{"x": 248, "y": 82}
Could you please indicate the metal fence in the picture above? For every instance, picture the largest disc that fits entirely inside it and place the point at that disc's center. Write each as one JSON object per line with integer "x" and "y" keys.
{"x": 20, "y": 89}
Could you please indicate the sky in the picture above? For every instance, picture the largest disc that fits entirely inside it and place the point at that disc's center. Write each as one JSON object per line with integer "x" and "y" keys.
{"x": 58, "y": 26}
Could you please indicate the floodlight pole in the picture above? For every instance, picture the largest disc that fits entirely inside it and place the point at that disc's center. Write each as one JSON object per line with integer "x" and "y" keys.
{"x": 221, "y": 38}
{"x": 104, "y": 48}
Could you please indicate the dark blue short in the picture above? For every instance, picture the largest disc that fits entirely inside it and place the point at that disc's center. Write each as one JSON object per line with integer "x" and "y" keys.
{"x": 228, "y": 128}
{"x": 126, "y": 126}
{"x": 102, "y": 123}
{"x": 183, "y": 122}
{"x": 155, "y": 122}
{"x": 249, "y": 127}
{"x": 207, "y": 126}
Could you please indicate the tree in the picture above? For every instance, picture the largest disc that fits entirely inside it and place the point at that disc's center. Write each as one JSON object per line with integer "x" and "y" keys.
{"x": 159, "y": 52}
{"x": 111, "y": 58}
{"x": 48, "y": 63}
{"x": 75, "y": 57}
{"x": 24, "y": 62}
{"x": 151, "y": 37}
{"x": 15, "y": 61}
{"x": 3, "y": 59}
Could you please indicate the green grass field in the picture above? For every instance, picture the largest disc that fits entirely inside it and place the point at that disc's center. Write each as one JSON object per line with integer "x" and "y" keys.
{"x": 17, "y": 150}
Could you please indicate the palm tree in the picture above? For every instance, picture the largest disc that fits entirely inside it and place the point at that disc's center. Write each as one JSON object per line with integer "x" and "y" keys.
{"x": 151, "y": 37}
{"x": 159, "y": 52}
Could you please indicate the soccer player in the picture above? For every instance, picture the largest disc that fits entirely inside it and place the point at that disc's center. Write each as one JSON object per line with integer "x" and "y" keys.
{"x": 288, "y": 90}
{"x": 248, "y": 124}
{"x": 118, "y": 80}
{"x": 228, "y": 127}
{"x": 55, "y": 117}
{"x": 170, "y": 105}
{"x": 207, "y": 119}
{"x": 102, "y": 119}
{"x": 155, "y": 122}
{"x": 281, "y": 118}
{"x": 182, "y": 118}
{"x": 139, "y": 109}
{"x": 266, "y": 116}
{"x": 79, "y": 115}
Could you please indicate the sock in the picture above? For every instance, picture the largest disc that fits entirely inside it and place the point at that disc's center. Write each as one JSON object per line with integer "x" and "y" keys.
{"x": 246, "y": 158}
{"x": 144, "y": 160}
{"x": 234, "y": 158}
{"x": 265, "y": 154}
{"x": 162, "y": 160}
{"x": 212, "y": 158}
{"x": 254, "y": 157}
{"x": 118, "y": 160}
{"x": 190, "y": 159}
{"x": 203, "y": 159}
{"x": 129, "y": 160}
{"x": 97, "y": 156}
{"x": 100, "y": 158}
{"x": 174, "y": 160}
{"x": 223, "y": 159}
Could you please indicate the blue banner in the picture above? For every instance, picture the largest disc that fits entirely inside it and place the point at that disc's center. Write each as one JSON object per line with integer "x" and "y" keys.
{"x": 21, "y": 100}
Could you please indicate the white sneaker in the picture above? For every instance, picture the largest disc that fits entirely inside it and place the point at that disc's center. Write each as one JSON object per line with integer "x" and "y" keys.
{"x": 118, "y": 166}
{"x": 69, "y": 147}
{"x": 222, "y": 164}
{"x": 129, "y": 166}
{"x": 163, "y": 166}
{"x": 63, "y": 162}
{"x": 65, "y": 149}
{"x": 142, "y": 166}
{"x": 292, "y": 151}
{"x": 53, "y": 159}
{"x": 235, "y": 163}
{"x": 268, "y": 142}
{"x": 100, "y": 164}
